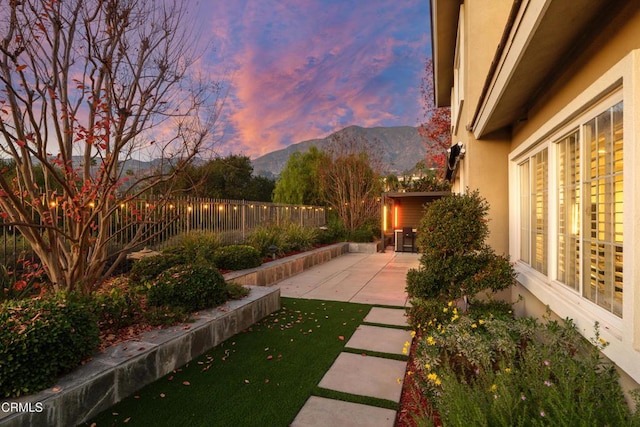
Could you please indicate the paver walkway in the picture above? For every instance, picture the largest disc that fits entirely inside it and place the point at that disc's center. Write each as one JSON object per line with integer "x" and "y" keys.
{"x": 371, "y": 279}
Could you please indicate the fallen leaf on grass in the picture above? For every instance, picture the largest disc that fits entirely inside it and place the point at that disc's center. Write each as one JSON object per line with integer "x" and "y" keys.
{"x": 186, "y": 383}
{"x": 162, "y": 395}
{"x": 341, "y": 338}
{"x": 56, "y": 389}
{"x": 269, "y": 357}
{"x": 126, "y": 420}
{"x": 246, "y": 381}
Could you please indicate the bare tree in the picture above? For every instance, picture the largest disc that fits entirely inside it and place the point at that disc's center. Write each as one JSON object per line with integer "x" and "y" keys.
{"x": 351, "y": 179}
{"x": 95, "y": 82}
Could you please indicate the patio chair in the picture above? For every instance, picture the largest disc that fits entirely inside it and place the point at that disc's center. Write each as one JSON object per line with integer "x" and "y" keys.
{"x": 408, "y": 239}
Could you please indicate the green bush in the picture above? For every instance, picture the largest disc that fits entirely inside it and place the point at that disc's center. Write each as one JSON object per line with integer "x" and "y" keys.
{"x": 147, "y": 269}
{"x": 236, "y": 291}
{"x": 195, "y": 247}
{"x": 41, "y": 339}
{"x": 165, "y": 316}
{"x": 455, "y": 260}
{"x": 298, "y": 238}
{"x": 237, "y": 257}
{"x": 114, "y": 307}
{"x": 263, "y": 238}
{"x": 365, "y": 233}
{"x": 494, "y": 371}
{"x": 425, "y": 312}
{"x": 192, "y": 287}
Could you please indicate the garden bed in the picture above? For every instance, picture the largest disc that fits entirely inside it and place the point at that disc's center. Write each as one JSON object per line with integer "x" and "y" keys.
{"x": 275, "y": 271}
{"x": 128, "y": 366}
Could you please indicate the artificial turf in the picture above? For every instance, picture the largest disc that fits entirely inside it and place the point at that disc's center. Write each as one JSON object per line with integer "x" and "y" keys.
{"x": 260, "y": 377}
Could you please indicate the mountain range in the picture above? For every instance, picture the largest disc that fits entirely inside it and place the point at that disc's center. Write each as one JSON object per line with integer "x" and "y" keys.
{"x": 401, "y": 147}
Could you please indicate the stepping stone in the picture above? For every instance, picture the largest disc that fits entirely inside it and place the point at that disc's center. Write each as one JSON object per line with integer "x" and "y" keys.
{"x": 376, "y": 338}
{"x": 387, "y": 316}
{"x": 366, "y": 376}
{"x": 319, "y": 411}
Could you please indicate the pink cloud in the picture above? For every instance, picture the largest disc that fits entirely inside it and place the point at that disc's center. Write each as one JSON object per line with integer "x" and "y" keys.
{"x": 300, "y": 72}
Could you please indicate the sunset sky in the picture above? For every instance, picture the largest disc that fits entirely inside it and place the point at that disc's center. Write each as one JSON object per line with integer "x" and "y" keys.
{"x": 301, "y": 69}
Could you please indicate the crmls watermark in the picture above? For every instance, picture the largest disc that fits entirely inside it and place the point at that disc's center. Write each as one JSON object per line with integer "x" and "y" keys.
{"x": 21, "y": 407}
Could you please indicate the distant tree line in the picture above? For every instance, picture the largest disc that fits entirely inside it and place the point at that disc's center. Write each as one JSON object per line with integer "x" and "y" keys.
{"x": 229, "y": 177}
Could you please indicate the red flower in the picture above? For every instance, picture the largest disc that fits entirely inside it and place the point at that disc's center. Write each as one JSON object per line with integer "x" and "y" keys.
{"x": 19, "y": 285}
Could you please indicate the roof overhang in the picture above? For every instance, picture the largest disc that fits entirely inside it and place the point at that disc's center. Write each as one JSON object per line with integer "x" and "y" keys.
{"x": 540, "y": 39}
{"x": 444, "y": 30}
{"x": 416, "y": 194}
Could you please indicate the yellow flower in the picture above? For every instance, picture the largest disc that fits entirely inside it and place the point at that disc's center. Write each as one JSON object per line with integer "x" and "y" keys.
{"x": 413, "y": 334}
{"x": 398, "y": 380}
{"x": 407, "y": 343}
{"x": 437, "y": 381}
{"x": 481, "y": 321}
{"x": 432, "y": 377}
{"x": 508, "y": 370}
{"x": 603, "y": 341}
{"x": 427, "y": 366}
{"x": 450, "y": 303}
{"x": 409, "y": 373}
{"x": 494, "y": 388}
{"x": 444, "y": 310}
{"x": 454, "y": 318}
{"x": 430, "y": 340}
{"x": 473, "y": 326}
{"x": 404, "y": 350}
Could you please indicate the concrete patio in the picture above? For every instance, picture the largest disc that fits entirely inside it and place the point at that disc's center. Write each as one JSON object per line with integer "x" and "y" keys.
{"x": 378, "y": 279}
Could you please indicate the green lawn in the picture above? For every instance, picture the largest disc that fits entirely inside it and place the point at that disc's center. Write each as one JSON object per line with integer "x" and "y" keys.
{"x": 261, "y": 377}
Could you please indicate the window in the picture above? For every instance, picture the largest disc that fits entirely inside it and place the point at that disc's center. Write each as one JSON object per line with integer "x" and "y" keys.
{"x": 585, "y": 199}
{"x": 603, "y": 213}
{"x": 525, "y": 230}
{"x": 568, "y": 212}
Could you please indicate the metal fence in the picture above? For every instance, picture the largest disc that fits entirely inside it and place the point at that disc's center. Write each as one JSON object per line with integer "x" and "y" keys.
{"x": 231, "y": 220}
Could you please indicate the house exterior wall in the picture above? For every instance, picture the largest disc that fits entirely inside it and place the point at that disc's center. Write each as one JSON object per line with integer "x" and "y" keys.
{"x": 600, "y": 74}
{"x": 484, "y": 166}
{"x": 606, "y": 71}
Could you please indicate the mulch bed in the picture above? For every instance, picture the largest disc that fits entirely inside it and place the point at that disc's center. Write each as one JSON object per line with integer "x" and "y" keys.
{"x": 413, "y": 403}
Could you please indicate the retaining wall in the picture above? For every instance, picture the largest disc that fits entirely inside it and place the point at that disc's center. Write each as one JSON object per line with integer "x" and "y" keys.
{"x": 127, "y": 367}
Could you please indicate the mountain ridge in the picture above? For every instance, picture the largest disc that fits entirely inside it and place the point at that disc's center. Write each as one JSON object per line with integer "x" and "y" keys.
{"x": 402, "y": 147}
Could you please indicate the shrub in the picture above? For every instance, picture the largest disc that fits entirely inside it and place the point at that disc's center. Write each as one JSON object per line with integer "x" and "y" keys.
{"x": 165, "y": 316}
{"x": 298, "y": 238}
{"x": 456, "y": 261}
{"x": 485, "y": 370}
{"x": 147, "y": 269}
{"x": 236, "y": 291}
{"x": 425, "y": 312}
{"x": 41, "y": 339}
{"x": 195, "y": 247}
{"x": 237, "y": 257}
{"x": 334, "y": 232}
{"x": 115, "y": 306}
{"x": 192, "y": 287}
{"x": 263, "y": 238}
{"x": 365, "y": 233}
